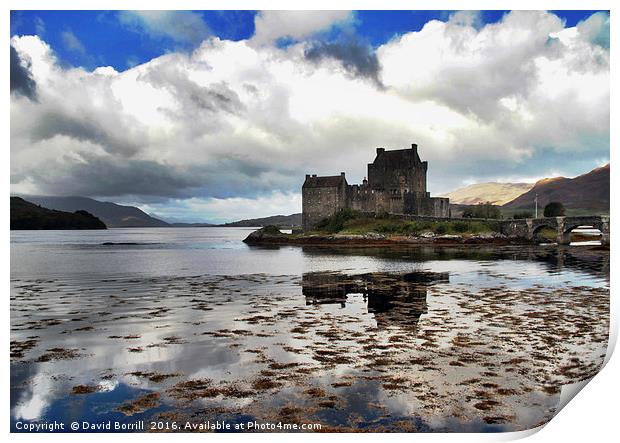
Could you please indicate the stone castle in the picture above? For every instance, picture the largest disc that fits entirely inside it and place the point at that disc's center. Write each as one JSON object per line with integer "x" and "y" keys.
{"x": 396, "y": 184}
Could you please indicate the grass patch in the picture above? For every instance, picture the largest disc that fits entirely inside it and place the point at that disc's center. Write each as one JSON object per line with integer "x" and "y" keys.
{"x": 272, "y": 230}
{"x": 546, "y": 234}
{"x": 336, "y": 222}
{"x": 353, "y": 222}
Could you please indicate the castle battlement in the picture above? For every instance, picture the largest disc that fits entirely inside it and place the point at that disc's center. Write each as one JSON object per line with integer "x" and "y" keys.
{"x": 396, "y": 184}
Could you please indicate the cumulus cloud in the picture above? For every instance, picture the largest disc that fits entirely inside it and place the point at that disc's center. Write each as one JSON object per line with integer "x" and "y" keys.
{"x": 356, "y": 57}
{"x": 273, "y": 25}
{"x": 596, "y": 29}
{"x": 22, "y": 82}
{"x": 236, "y": 125}
{"x": 181, "y": 26}
{"x": 472, "y": 70}
{"x": 519, "y": 81}
{"x": 196, "y": 101}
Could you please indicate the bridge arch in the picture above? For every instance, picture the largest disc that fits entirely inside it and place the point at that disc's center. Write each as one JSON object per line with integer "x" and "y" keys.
{"x": 569, "y": 227}
{"x": 538, "y": 227}
{"x": 567, "y": 231}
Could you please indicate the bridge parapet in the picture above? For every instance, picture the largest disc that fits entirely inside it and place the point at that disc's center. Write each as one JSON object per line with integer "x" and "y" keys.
{"x": 527, "y": 228}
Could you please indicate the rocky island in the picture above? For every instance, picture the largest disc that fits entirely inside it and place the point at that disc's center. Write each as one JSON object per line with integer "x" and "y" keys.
{"x": 353, "y": 228}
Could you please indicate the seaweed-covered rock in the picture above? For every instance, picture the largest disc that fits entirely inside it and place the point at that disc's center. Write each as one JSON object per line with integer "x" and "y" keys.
{"x": 268, "y": 234}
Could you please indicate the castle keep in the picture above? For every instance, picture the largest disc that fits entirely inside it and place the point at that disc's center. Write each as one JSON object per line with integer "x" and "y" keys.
{"x": 396, "y": 184}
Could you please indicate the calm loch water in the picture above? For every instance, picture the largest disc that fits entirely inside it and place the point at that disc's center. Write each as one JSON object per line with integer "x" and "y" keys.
{"x": 163, "y": 327}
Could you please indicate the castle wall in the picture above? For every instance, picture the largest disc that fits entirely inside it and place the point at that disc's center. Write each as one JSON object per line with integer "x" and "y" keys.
{"x": 396, "y": 184}
{"x": 383, "y": 202}
{"x": 319, "y": 203}
{"x": 423, "y": 204}
{"x": 364, "y": 199}
{"x": 440, "y": 207}
{"x": 361, "y": 198}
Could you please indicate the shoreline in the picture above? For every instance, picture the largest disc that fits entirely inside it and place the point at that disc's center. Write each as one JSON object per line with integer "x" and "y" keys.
{"x": 269, "y": 237}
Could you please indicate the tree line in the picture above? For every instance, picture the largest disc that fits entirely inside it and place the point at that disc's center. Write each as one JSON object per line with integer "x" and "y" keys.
{"x": 488, "y": 210}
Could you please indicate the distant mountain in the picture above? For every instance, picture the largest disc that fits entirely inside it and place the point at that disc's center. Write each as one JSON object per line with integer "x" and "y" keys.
{"x": 27, "y": 215}
{"x": 586, "y": 192}
{"x": 113, "y": 215}
{"x": 276, "y": 220}
{"x": 493, "y": 192}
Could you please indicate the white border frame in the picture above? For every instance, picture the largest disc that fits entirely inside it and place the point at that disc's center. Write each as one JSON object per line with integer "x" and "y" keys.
{"x": 591, "y": 417}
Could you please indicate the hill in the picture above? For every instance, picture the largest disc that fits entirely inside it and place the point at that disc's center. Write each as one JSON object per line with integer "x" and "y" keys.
{"x": 113, "y": 215}
{"x": 27, "y": 215}
{"x": 493, "y": 192}
{"x": 587, "y": 192}
{"x": 275, "y": 220}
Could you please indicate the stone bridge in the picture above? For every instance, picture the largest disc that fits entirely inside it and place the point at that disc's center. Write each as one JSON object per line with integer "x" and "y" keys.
{"x": 528, "y": 228}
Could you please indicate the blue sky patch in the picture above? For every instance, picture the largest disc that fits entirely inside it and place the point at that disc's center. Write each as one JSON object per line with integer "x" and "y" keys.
{"x": 103, "y": 38}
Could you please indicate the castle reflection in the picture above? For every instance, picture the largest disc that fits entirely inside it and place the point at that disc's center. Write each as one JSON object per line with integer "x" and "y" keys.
{"x": 395, "y": 299}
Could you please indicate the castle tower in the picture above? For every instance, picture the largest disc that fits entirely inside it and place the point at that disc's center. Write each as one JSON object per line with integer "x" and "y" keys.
{"x": 398, "y": 171}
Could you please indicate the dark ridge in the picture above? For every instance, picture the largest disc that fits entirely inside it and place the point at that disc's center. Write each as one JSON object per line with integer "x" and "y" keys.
{"x": 28, "y": 216}
{"x": 112, "y": 214}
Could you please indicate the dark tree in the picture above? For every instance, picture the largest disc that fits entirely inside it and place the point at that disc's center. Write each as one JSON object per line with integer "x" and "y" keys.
{"x": 482, "y": 210}
{"x": 521, "y": 215}
{"x": 554, "y": 209}
{"x": 490, "y": 211}
{"x": 468, "y": 212}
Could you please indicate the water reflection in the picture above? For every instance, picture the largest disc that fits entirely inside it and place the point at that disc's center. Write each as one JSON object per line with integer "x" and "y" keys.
{"x": 425, "y": 339}
{"x": 395, "y": 299}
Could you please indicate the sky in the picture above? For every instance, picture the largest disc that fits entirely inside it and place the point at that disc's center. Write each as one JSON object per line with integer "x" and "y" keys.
{"x": 218, "y": 115}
